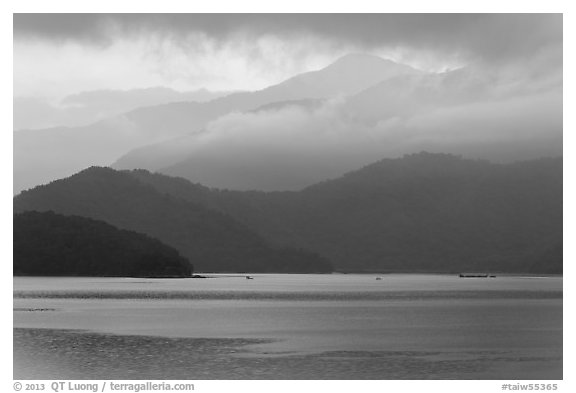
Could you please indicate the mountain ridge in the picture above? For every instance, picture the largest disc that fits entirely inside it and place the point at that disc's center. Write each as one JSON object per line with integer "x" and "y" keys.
{"x": 422, "y": 212}
{"x": 291, "y": 144}
{"x": 37, "y": 162}
{"x": 211, "y": 240}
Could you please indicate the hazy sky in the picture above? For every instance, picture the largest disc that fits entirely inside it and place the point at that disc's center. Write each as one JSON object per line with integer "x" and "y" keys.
{"x": 503, "y": 102}
{"x": 59, "y": 54}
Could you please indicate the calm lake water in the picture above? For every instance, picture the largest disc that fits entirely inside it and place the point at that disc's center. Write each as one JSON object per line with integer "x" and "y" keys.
{"x": 288, "y": 327}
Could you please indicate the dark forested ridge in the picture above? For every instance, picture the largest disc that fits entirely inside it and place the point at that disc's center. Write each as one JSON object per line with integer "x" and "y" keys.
{"x": 211, "y": 240}
{"x": 420, "y": 213}
{"x": 49, "y": 244}
{"x": 423, "y": 212}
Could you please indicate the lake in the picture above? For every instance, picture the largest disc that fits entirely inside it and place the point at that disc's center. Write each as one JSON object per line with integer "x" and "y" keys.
{"x": 335, "y": 326}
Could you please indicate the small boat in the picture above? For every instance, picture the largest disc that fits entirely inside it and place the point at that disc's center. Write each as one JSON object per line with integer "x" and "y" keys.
{"x": 476, "y": 275}
{"x": 378, "y": 278}
{"x": 249, "y": 278}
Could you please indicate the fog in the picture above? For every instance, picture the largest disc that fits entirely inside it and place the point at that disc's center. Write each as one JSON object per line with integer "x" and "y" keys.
{"x": 489, "y": 86}
{"x": 295, "y": 146}
{"x": 252, "y": 51}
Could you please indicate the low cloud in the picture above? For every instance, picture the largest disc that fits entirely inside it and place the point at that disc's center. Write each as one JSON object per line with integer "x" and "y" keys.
{"x": 488, "y": 36}
{"x": 58, "y": 54}
{"x": 296, "y": 145}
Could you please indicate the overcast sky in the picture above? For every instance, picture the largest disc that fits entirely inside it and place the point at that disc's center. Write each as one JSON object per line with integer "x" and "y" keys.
{"x": 505, "y": 103}
{"x": 59, "y": 54}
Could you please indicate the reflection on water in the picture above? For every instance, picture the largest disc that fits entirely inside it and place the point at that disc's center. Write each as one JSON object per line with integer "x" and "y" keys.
{"x": 289, "y": 327}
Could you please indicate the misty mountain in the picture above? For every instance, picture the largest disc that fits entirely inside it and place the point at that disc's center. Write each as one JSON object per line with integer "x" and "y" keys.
{"x": 348, "y": 75}
{"x": 211, "y": 240}
{"x": 49, "y": 244}
{"x": 89, "y": 107}
{"x": 407, "y": 95}
{"x": 132, "y": 99}
{"x": 288, "y": 145}
{"x": 44, "y": 155}
{"x": 49, "y": 154}
{"x": 423, "y": 212}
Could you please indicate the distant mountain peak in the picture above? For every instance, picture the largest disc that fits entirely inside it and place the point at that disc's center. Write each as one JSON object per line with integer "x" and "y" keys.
{"x": 359, "y": 57}
{"x": 348, "y": 75}
{"x": 361, "y": 61}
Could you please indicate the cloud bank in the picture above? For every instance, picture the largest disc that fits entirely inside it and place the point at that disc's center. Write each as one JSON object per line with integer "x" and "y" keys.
{"x": 287, "y": 148}
{"x": 60, "y": 54}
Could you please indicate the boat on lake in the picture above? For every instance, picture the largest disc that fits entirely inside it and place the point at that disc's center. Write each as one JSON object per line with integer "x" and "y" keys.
{"x": 476, "y": 275}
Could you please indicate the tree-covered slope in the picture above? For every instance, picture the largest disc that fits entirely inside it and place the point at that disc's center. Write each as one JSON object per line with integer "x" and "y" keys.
{"x": 422, "y": 212}
{"x": 49, "y": 244}
{"x": 212, "y": 241}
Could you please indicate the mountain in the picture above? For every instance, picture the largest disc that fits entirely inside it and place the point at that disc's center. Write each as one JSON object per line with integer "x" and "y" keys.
{"x": 48, "y": 154}
{"x": 407, "y": 95}
{"x": 87, "y": 107}
{"x": 289, "y": 145}
{"x": 49, "y": 244}
{"x": 348, "y": 75}
{"x": 419, "y": 213}
{"x": 211, "y": 240}
{"x": 44, "y": 155}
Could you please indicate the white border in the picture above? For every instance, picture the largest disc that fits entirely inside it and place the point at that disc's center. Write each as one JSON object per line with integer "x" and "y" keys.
{"x": 10, "y": 6}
